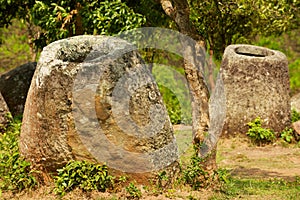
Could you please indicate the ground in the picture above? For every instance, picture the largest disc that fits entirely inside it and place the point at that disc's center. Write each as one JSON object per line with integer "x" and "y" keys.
{"x": 277, "y": 161}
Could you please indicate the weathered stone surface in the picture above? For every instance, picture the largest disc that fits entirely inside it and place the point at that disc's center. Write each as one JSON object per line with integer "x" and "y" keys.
{"x": 3, "y": 114}
{"x": 92, "y": 98}
{"x": 295, "y": 102}
{"x": 296, "y": 127}
{"x": 256, "y": 82}
{"x": 217, "y": 115}
{"x": 14, "y": 86}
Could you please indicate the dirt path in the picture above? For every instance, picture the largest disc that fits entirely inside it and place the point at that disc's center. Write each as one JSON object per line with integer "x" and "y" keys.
{"x": 278, "y": 160}
{"x": 247, "y": 160}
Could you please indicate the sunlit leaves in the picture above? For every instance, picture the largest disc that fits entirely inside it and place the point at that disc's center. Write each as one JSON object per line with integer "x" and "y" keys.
{"x": 238, "y": 21}
{"x": 65, "y": 18}
{"x": 84, "y": 175}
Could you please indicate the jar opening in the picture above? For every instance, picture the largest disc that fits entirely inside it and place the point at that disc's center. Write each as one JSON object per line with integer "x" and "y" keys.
{"x": 253, "y": 51}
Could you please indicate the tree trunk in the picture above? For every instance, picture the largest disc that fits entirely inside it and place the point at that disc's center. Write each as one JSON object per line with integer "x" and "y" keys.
{"x": 211, "y": 70}
{"x": 78, "y": 21}
{"x": 32, "y": 31}
{"x": 180, "y": 12}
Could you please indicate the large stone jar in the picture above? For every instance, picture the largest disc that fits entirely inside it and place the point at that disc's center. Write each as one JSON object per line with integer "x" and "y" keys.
{"x": 256, "y": 82}
{"x": 295, "y": 102}
{"x": 92, "y": 98}
{"x": 14, "y": 86}
{"x": 3, "y": 114}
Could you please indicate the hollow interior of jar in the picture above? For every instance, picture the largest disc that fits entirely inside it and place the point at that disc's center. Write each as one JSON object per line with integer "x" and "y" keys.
{"x": 253, "y": 51}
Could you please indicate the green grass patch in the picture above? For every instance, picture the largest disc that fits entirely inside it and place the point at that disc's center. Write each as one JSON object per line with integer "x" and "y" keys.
{"x": 14, "y": 48}
{"x": 245, "y": 188}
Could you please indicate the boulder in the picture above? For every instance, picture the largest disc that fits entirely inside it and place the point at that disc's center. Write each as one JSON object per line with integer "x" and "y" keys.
{"x": 295, "y": 102}
{"x": 92, "y": 98}
{"x": 3, "y": 114}
{"x": 256, "y": 82}
{"x": 296, "y": 127}
{"x": 14, "y": 86}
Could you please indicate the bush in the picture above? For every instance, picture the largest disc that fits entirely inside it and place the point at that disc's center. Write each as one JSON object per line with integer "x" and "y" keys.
{"x": 194, "y": 175}
{"x": 172, "y": 104}
{"x": 15, "y": 173}
{"x": 258, "y": 134}
{"x": 84, "y": 175}
{"x": 287, "y": 135}
{"x": 295, "y": 116}
{"x": 133, "y": 191}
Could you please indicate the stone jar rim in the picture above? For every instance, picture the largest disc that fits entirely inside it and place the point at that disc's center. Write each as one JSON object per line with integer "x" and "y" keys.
{"x": 245, "y": 51}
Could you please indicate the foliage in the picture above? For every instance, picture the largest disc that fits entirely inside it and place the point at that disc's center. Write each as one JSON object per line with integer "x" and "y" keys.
{"x": 194, "y": 175}
{"x": 133, "y": 191}
{"x": 14, "y": 50}
{"x": 162, "y": 176}
{"x": 294, "y": 75}
{"x": 258, "y": 134}
{"x": 66, "y": 18}
{"x": 259, "y": 188}
{"x": 84, "y": 175}
{"x": 289, "y": 44}
{"x": 172, "y": 104}
{"x": 15, "y": 173}
{"x": 10, "y": 9}
{"x": 174, "y": 92}
{"x": 239, "y": 21}
{"x": 153, "y": 12}
{"x": 287, "y": 135}
{"x": 270, "y": 42}
{"x": 295, "y": 116}
{"x": 224, "y": 175}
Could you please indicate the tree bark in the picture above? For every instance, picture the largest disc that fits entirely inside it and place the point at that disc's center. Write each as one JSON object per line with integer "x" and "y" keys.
{"x": 211, "y": 70}
{"x": 179, "y": 11}
{"x": 32, "y": 32}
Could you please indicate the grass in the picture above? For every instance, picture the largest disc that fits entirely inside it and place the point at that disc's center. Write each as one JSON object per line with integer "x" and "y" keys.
{"x": 14, "y": 50}
{"x": 245, "y": 188}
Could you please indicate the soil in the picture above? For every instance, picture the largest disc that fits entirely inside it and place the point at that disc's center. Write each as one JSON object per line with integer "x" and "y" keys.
{"x": 277, "y": 160}
{"x": 245, "y": 159}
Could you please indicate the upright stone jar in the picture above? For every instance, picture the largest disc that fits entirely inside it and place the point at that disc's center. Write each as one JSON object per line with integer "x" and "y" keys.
{"x": 92, "y": 98}
{"x": 256, "y": 82}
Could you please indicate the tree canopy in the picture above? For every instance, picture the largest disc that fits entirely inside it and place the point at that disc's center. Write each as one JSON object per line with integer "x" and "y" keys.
{"x": 225, "y": 22}
{"x": 68, "y": 18}
{"x": 10, "y": 9}
{"x": 220, "y": 22}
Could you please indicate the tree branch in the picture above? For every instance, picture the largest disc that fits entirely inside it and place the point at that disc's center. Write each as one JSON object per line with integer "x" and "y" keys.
{"x": 168, "y": 8}
{"x": 180, "y": 13}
